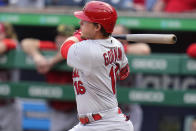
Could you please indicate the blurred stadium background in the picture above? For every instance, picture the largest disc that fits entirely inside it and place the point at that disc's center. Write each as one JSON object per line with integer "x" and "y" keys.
{"x": 162, "y": 83}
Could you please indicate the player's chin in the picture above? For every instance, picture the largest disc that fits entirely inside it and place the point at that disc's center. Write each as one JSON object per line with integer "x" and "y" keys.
{"x": 84, "y": 37}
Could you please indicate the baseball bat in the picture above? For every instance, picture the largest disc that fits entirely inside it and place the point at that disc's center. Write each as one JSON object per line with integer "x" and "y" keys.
{"x": 149, "y": 38}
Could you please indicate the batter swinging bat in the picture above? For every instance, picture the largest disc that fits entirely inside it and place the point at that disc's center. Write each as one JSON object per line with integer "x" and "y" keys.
{"x": 149, "y": 38}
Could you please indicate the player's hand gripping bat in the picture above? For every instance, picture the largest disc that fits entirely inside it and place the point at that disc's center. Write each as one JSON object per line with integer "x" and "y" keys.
{"x": 149, "y": 38}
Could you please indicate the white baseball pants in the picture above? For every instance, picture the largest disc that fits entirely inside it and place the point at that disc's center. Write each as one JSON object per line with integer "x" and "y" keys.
{"x": 111, "y": 121}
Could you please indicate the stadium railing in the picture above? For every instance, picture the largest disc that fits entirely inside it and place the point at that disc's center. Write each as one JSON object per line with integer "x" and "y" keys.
{"x": 152, "y": 64}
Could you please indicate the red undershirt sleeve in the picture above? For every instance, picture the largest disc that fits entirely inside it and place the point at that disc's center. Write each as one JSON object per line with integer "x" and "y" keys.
{"x": 47, "y": 45}
{"x": 10, "y": 44}
{"x": 65, "y": 47}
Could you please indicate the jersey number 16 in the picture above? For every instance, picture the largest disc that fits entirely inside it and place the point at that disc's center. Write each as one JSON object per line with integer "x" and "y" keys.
{"x": 79, "y": 87}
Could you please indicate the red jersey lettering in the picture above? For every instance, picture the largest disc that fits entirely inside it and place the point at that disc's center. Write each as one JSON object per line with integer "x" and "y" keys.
{"x": 112, "y": 56}
{"x": 75, "y": 73}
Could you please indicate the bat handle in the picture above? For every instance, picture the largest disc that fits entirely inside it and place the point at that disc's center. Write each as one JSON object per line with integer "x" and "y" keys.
{"x": 122, "y": 37}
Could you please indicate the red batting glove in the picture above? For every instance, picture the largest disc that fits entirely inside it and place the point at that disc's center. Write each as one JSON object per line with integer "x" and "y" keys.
{"x": 124, "y": 72}
{"x": 77, "y": 34}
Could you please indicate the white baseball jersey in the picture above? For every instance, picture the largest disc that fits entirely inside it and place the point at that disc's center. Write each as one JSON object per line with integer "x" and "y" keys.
{"x": 96, "y": 64}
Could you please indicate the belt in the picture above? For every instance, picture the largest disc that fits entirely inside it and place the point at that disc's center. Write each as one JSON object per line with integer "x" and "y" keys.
{"x": 96, "y": 117}
{"x": 85, "y": 120}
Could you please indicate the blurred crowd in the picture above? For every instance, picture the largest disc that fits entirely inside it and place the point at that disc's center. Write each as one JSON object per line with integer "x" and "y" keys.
{"x": 171, "y": 6}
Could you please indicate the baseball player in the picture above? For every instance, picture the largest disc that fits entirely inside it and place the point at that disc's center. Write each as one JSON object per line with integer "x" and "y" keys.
{"x": 191, "y": 50}
{"x": 193, "y": 124}
{"x": 10, "y": 109}
{"x": 98, "y": 62}
{"x": 63, "y": 115}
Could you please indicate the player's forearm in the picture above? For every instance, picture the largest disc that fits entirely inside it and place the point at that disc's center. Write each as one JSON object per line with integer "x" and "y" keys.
{"x": 2, "y": 47}
{"x": 56, "y": 59}
{"x": 31, "y": 47}
{"x": 138, "y": 49}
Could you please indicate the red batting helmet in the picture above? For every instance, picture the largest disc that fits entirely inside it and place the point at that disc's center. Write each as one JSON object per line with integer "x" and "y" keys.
{"x": 99, "y": 12}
